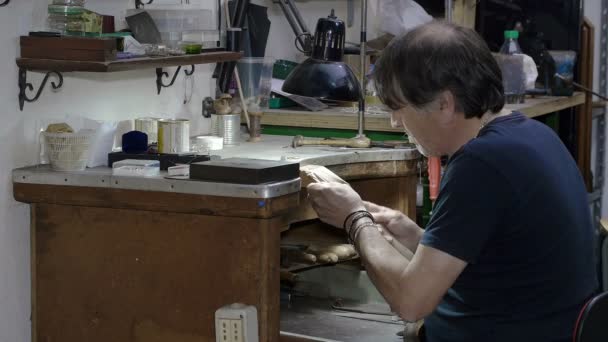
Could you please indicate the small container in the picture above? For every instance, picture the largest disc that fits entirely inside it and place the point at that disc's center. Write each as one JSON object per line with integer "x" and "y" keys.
{"x": 171, "y": 39}
{"x": 173, "y": 136}
{"x": 179, "y": 20}
{"x": 282, "y": 68}
{"x": 191, "y": 48}
{"x": 204, "y": 144}
{"x": 148, "y": 126}
{"x": 136, "y": 168}
{"x": 256, "y": 80}
{"x": 227, "y": 126}
{"x": 68, "y": 151}
{"x": 68, "y": 20}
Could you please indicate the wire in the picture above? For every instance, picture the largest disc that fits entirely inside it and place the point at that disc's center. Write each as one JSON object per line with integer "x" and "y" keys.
{"x": 580, "y": 86}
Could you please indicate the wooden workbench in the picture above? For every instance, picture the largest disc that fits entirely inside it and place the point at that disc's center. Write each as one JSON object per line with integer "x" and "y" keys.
{"x": 126, "y": 259}
{"x": 337, "y": 119}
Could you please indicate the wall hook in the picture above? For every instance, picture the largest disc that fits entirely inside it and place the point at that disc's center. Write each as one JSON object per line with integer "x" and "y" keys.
{"x": 159, "y": 78}
{"x": 23, "y": 85}
{"x": 160, "y": 74}
{"x": 140, "y": 3}
{"x": 191, "y": 72}
{"x": 4, "y": 3}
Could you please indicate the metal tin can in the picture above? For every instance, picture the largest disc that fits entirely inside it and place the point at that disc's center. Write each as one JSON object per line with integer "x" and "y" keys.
{"x": 227, "y": 126}
{"x": 174, "y": 136}
{"x": 148, "y": 126}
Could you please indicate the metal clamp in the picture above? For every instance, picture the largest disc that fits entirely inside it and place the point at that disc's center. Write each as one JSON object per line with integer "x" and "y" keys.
{"x": 140, "y": 3}
{"x": 4, "y": 3}
{"x": 23, "y": 85}
{"x": 160, "y": 74}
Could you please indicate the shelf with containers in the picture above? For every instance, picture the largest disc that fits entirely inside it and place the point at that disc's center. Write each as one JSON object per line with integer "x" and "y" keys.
{"x": 76, "y": 25}
{"x": 57, "y": 67}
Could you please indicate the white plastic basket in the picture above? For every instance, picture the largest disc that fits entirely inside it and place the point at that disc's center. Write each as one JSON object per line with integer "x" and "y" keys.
{"x": 68, "y": 151}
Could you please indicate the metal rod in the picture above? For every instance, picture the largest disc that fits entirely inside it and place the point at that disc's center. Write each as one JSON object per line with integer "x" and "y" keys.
{"x": 293, "y": 23}
{"x": 363, "y": 54}
{"x": 298, "y": 16}
{"x": 578, "y": 85}
{"x": 238, "y": 78}
{"x": 449, "y": 8}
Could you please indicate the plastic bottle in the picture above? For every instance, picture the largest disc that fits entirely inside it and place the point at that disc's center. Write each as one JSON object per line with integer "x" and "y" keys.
{"x": 511, "y": 62}
{"x": 511, "y": 45}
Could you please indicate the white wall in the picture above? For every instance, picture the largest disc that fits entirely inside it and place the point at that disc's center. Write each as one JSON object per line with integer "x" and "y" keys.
{"x": 98, "y": 96}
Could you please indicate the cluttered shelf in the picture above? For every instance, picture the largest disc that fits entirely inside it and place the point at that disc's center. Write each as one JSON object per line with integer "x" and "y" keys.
{"x": 344, "y": 118}
{"x": 126, "y": 64}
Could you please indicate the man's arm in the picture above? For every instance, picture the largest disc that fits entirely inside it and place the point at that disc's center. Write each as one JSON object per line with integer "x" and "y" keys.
{"x": 401, "y": 227}
{"x": 412, "y": 288}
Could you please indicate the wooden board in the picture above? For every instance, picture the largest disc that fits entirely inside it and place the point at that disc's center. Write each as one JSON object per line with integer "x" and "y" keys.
{"x": 127, "y": 64}
{"x": 464, "y": 12}
{"x": 584, "y": 112}
{"x": 333, "y": 118}
{"x": 69, "y": 48}
{"x": 155, "y": 201}
{"x": 105, "y": 274}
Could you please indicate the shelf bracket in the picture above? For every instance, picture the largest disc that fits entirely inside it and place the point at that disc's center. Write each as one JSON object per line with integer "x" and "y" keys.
{"x": 24, "y": 85}
{"x": 140, "y": 3}
{"x": 160, "y": 74}
{"x": 2, "y": 4}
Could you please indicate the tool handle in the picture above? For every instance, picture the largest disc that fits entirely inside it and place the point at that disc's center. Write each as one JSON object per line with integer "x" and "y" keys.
{"x": 434, "y": 177}
{"x": 355, "y": 142}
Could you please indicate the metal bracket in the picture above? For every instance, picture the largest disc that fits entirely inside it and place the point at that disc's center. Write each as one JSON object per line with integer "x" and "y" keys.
{"x": 208, "y": 107}
{"x": 23, "y": 85}
{"x": 4, "y": 3}
{"x": 140, "y": 3}
{"x": 160, "y": 74}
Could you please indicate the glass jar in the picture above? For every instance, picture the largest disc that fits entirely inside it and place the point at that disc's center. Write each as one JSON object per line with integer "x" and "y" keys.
{"x": 66, "y": 25}
{"x": 68, "y": 20}
{"x": 69, "y": 2}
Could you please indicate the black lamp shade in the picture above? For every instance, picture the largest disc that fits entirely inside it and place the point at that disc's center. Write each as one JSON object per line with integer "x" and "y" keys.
{"x": 323, "y": 80}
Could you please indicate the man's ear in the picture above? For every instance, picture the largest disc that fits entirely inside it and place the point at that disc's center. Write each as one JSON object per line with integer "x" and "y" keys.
{"x": 447, "y": 106}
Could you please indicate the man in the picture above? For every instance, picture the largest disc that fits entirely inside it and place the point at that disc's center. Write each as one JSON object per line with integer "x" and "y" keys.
{"x": 508, "y": 252}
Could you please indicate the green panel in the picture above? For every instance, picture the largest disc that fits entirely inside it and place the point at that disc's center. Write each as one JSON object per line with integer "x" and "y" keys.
{"x": 330, "y": 133}
{"x": 552, "y": 120}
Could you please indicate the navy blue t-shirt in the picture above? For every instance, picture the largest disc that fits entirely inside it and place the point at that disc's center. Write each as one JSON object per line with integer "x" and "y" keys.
{"x": 512, "y": 204}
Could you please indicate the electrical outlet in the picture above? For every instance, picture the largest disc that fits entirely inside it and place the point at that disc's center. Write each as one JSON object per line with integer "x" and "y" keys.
{"x": 236, "y": 323}
{"x": 223, "y": 331}
{"x": 236, "y": 330}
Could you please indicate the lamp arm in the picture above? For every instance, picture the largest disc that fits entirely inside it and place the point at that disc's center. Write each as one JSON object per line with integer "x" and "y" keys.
{"x": 295, "y": 20}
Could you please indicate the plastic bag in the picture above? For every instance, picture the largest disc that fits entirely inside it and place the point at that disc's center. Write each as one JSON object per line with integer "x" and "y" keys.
{"x": 531, "y": 72}
{"x": 102, "y": 142}
{"x": 400, "y": 16}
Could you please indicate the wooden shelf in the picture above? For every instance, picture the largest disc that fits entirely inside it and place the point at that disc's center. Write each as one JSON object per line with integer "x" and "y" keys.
{"x": 334, "y": 118}
{"x": 126, "y": 64}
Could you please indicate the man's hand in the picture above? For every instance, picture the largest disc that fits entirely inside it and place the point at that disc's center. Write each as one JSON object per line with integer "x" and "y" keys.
{"x": 333, "y": 202}
{"x": 398, "y": 224}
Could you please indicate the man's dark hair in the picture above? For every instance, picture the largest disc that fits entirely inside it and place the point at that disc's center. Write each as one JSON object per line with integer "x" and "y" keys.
{"x": 436, "y": 57}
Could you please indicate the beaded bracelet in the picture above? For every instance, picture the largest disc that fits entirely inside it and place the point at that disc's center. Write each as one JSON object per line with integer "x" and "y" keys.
{"x": 359, "y": 216}
{"x": 354, "y": 233}
{"x": 365, "y": 213}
